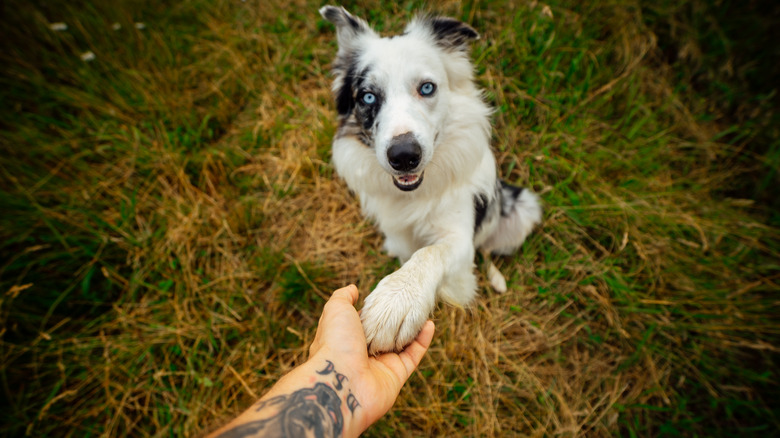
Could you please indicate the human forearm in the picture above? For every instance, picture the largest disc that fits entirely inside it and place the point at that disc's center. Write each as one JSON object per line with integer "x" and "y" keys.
{"x": 340, "y": 390}
{"x": 315, "y": 397}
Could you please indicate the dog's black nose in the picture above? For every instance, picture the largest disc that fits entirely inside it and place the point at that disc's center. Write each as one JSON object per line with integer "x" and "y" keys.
{"x": 404, "y": 153}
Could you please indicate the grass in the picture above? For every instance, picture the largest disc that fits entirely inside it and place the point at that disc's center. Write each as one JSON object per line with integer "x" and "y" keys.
{"x": 171, "y": 226}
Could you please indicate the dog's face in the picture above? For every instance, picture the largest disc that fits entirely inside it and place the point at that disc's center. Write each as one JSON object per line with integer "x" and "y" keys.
{"x": 393, "y": 93}
{"x": 401, "y": 93}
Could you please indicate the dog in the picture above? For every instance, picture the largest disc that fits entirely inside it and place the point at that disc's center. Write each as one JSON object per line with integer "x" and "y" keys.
{"x": 413, "y": 143}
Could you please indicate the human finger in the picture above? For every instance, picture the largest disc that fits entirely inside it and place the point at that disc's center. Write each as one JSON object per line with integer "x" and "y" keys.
{"x": 348, "y": 293}
{"x": 413, "y": 354}
{"x": 341, "y": 300}
{"x": 403, "y": 363}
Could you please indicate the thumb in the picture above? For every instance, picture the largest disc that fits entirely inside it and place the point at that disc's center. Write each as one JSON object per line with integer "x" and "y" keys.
{"x": 413, "y": 354}
{"x": 403, "y": 364}
{"x": 349, "y": 294}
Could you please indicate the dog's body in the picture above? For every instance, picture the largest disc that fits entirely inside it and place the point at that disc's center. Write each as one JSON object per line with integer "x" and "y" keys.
{"x": 413, "y": 144}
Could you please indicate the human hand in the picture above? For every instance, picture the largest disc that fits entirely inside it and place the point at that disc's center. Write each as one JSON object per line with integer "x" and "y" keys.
{"x": 340, "y": 390}
{"x": 376, "y": 381}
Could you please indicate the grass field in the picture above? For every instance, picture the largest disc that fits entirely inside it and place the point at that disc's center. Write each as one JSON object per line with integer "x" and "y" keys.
{"x": 170, "y": 224}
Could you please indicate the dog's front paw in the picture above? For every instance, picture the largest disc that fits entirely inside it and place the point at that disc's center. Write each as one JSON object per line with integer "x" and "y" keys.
{"x": 394, "y": 313}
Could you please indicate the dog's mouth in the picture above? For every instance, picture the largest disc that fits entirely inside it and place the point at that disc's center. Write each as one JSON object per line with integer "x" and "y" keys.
{"x": 409, "y": 181}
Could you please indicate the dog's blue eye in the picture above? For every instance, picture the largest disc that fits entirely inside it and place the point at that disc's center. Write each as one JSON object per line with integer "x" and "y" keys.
{"x": 369, "y": 98}
{"x": 427, "y": 89}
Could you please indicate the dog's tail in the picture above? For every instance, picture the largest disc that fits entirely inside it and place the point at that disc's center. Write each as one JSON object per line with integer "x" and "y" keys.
{"x": 521, "y": 211}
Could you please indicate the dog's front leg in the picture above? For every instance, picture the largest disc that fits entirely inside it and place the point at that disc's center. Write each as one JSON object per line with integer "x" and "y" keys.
{"x": 396, "y": 310}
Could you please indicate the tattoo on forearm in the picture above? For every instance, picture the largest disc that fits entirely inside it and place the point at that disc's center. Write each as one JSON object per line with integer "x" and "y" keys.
{"x": 330, "y": 369}
{"x": 352, "y": 403}
{"x": 312, "y": 411}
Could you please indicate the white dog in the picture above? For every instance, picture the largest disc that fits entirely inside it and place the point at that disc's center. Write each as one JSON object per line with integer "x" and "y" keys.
{"x": 413, "y": 144}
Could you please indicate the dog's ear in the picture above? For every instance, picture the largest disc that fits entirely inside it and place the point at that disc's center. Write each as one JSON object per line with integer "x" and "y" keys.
{"x": 349, "y": 30}
{"x": 449, "y": 34}
{"x": 348, "y": 27}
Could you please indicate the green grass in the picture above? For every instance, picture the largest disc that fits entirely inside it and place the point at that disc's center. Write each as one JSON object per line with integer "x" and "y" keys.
{"x": 171, "y": 226}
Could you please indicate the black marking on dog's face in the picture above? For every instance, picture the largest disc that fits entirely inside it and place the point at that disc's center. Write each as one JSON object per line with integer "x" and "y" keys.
{"x": 351, "y": 127}
{"x": 356, "y": 118}
{"x": 480, "y": 210}
{"x": 365, "y": 111}
{"x": 345, "y": 100}
{"x": 451, "y": 34}
{"x": 358, "y": 114}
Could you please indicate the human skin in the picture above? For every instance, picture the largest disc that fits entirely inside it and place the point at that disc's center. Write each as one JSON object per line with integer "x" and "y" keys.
{"x": 340, "y": 390}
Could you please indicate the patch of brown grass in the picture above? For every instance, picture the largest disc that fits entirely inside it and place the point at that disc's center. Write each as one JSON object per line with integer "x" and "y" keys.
{"x": 211, "y": 259}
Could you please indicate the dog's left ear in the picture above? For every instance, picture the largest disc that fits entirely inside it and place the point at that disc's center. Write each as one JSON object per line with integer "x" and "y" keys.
{"x": 449, "y": 34}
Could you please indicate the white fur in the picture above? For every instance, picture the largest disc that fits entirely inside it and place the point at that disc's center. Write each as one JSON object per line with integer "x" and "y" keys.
{"x": 511, "y": 232}
{"x": 430, "y": 229}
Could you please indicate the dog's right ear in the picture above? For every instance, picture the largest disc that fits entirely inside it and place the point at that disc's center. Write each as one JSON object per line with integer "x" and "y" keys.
{"x": 349, "y": 31}
{"x": 348, "y": 27}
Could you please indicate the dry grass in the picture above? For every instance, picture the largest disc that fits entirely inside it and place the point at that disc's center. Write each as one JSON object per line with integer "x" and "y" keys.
{"x": 172, "y": 226}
